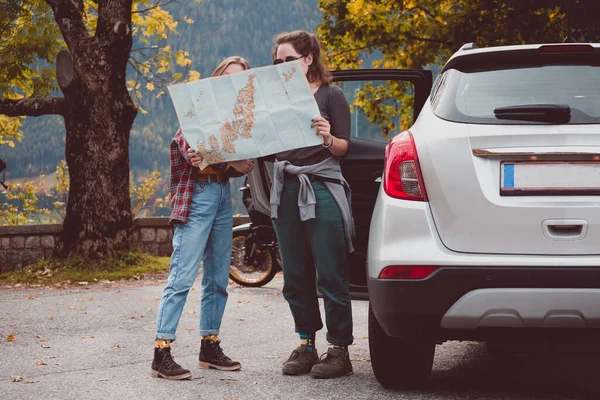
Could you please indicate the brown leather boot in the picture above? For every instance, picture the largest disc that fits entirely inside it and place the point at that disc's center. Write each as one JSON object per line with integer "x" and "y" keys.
{"x": 164, "y": 366}
{"x": 335, "y": 364}
{"x": 301, "y": 361}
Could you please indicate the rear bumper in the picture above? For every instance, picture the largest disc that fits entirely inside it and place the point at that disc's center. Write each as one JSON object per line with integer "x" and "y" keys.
{"x": 474, "y": 302}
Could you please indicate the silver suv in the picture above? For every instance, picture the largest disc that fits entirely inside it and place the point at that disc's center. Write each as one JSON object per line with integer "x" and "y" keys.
{"x": 487, "y": 225}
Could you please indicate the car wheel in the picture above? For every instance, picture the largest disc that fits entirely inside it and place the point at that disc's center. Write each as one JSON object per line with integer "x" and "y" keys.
{"x": 399, "y": 363}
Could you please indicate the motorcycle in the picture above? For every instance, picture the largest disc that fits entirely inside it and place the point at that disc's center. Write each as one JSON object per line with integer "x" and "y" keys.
{"x": 255, "y": 256}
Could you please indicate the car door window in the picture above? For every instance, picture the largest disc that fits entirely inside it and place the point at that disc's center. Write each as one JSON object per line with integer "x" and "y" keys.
{"x": 380, "y": 108}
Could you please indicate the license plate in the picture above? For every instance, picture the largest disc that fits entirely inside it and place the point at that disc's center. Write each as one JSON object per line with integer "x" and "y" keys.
{"x": 549, "y": 178}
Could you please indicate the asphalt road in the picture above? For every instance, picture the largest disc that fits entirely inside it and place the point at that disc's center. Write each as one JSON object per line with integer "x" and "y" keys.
{"x": 96, "y": 342}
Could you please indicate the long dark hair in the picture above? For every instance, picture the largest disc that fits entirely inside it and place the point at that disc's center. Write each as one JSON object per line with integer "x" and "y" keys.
{"x": 304, "y": 43}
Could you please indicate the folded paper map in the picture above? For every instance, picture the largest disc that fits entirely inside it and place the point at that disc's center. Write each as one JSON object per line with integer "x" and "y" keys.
{"x": 248, "y": 114}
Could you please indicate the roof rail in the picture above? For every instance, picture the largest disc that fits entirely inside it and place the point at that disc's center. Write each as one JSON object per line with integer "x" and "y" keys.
{"x": 468, "y": 46}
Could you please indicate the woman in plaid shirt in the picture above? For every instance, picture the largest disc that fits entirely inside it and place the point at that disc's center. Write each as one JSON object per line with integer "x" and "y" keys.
{"x": 202, "y": 219}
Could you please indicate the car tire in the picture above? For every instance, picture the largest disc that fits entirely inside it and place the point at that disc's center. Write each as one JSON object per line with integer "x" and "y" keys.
{"x": 399, "y": 363}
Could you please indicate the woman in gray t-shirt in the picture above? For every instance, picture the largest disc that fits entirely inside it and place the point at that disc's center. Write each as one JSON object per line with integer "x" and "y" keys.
{"x": 316, "y": 247}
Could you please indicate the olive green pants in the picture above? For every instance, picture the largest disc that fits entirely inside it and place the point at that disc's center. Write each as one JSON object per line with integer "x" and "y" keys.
{"x": 315, "y": 251}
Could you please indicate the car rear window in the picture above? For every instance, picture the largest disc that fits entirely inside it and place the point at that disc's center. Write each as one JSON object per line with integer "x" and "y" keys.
{"x": 472, "y": 97}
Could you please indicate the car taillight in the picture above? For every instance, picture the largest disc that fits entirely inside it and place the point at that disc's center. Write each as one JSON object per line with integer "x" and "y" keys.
{"x": 402, "y": 174}
{"x": 406, "y": 272}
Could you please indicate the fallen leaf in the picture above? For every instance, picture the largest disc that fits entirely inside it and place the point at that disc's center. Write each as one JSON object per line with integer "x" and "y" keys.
{"x": 89, "y": 372}
{"x": 32, "y": 298}
{"x": 91, "y": 299}
{"x": 242, "y": 301}
{"x": 116, "y": 346}
{"x": 11, "y": 338}
{"x": 53, "y": 357}
{"x": 363, "y": 337}
{"x": 270, "y": 357}
{"x": 102, "y": 379}
{"x": 16, "y": 378}
{"x": 50, "y": 317}
{"x": 131, "y": 317}
{"x": 41, "y": 362}
{"x": 46, "y": 345}
{"x": 149, "y": 309}
{"x": 38, "y": 337}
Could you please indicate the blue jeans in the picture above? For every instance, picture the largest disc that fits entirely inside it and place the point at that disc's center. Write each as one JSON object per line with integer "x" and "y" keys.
{"x": 206, "y": 237}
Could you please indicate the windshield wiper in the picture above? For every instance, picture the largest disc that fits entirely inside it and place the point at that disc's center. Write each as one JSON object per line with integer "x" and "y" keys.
{"x": 553, "y": 113}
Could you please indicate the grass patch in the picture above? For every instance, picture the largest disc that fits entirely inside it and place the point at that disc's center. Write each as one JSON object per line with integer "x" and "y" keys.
{"x": 129, "y": 265}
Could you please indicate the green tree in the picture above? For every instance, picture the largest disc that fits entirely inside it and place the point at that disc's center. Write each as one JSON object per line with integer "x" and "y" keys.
{"x": 101, "y": 40}
{"x": 419, "y": 33}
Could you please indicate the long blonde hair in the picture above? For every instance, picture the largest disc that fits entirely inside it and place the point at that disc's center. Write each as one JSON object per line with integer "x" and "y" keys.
{"x": 228, "y": 61}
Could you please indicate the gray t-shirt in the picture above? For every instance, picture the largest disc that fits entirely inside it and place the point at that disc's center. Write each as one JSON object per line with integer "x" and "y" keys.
{"x": 334, "y": 108}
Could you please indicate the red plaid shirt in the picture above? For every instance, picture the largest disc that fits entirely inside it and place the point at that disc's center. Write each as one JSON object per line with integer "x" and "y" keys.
{"x": 182, "y": 178}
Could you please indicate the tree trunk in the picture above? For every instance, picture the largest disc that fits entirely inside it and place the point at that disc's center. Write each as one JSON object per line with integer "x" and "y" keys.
{"x": 98, "y": 221}
{"x": 98, "y": 120}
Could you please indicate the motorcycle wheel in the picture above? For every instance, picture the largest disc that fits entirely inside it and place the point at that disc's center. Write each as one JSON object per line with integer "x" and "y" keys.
{"x": 251, "y": 275}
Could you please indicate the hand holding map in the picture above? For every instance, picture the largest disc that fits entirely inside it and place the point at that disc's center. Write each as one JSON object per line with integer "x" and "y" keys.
{"x": 249, "y": 114}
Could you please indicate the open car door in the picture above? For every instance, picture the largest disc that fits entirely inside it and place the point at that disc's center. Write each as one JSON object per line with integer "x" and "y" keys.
{"x": 383, "y": 103}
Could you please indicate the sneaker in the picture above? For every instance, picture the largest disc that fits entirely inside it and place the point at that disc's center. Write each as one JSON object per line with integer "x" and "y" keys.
{"x": 164, "y": 366}
{"x": 335, "y": 364}
{"x": 212, "y": 356}
{"x": 301, "y": 361}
